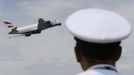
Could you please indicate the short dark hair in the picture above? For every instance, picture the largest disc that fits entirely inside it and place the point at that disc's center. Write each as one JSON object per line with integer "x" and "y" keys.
{"x": 98, "y": 51}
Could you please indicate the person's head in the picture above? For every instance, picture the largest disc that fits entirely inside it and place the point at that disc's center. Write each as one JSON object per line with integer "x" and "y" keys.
{"x": 88, "y": 53}
{"x": 98, "y": 34}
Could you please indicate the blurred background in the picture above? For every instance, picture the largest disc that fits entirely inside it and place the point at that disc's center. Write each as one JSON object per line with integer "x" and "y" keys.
{"x": 51, "y": 52}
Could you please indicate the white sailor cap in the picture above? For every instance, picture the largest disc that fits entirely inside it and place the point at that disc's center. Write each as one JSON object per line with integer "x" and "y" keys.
{"x": 98, "y": 26}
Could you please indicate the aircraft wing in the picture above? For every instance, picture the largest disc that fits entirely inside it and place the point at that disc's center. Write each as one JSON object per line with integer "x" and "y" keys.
{"x": 47, "y": 24}
{"x": 42, "y": 24}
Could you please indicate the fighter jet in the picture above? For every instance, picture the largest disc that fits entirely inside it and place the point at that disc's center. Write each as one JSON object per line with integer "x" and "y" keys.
{"x": 32, "y": 29}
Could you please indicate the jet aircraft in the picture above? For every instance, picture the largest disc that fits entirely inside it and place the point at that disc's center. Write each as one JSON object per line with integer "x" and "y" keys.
{"x": 32, "y": 29}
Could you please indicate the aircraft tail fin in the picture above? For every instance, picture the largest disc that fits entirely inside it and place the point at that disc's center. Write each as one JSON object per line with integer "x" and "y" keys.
{"x": 13, "y": 31}
{"x": 8, "y": 24}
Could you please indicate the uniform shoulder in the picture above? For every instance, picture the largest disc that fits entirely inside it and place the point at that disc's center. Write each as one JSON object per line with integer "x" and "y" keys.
{"x": 90, "y": 72}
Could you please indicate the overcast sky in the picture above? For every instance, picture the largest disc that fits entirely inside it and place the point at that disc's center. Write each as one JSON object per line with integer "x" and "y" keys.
{"x": 51, "y": 52}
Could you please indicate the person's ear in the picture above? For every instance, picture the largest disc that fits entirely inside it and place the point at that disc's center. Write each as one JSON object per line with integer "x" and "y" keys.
{"x": 118, "y": 53}
{"x": 77, "y": 54}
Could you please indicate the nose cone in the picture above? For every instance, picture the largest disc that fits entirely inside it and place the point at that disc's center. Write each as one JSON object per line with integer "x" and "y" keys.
{"x": 56, "y": 22}
{"x": 59, "y": 24}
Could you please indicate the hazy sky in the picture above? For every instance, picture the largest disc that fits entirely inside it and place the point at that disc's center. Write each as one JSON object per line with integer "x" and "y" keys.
{"x": 51, "y": 52}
